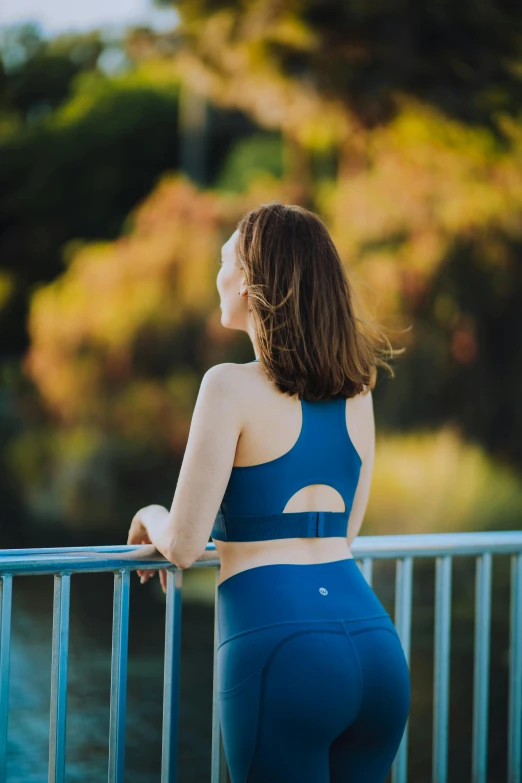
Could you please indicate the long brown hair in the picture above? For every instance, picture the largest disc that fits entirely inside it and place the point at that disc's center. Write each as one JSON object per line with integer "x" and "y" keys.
{"x": 311, "y": 343}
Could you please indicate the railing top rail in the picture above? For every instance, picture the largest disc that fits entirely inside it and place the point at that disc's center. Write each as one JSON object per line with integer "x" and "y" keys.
{"x": 123, "y": 556}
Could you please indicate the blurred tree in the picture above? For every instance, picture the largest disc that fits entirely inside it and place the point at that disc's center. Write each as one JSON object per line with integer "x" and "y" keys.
{"x": 151, "y": 287}
{"x": 36, "y": 73}
{"x": 325, "y": 72}
{"x": 463, "y": 59}
{"x": 76, "y": 176}
{"x": 257, "y": 154}
{"x": 433, "y": 230}
{"x": 78, "y": 150}
{"x": 15, "y": 509}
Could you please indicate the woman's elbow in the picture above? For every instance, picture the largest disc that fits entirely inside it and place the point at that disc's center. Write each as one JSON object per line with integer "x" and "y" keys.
{"x": 180, "y": 559}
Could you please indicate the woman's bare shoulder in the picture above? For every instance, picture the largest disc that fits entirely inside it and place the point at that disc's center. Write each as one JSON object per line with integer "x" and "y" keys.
{"x": 231, "y": 375}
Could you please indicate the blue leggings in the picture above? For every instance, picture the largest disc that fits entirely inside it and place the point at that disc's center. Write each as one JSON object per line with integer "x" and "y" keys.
{"x": 313, "y": 683}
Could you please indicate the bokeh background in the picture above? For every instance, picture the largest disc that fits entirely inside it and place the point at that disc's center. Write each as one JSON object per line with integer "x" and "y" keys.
{"x": 133, "y": 136}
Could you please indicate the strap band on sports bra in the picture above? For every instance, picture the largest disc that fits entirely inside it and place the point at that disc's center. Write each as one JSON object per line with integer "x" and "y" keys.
{"x": 292, "y": 524}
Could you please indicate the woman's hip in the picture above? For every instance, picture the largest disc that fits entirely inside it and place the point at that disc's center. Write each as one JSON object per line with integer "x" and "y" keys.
{"x": 273, "y": 594}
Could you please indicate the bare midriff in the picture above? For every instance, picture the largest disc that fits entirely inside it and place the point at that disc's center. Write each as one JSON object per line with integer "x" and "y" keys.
{"x": 236, "y": 556}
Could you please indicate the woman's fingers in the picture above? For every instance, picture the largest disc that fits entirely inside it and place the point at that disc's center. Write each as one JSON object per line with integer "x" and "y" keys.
{"x": 145, "y": 575}
{"x": 163, "y": 579}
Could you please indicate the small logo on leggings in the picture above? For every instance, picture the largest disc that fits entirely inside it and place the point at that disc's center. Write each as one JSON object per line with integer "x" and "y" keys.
{"x": 323, "y": 591}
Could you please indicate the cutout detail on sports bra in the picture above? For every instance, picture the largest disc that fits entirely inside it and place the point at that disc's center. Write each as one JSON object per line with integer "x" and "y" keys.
{"x": 334, "y": 492}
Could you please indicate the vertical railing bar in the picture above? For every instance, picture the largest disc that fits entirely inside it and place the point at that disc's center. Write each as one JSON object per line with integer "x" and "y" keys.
{"x": 481, "y": 668}
{"x": 367, "y": 569}
{"x": 441, "y": 669}
{"x": 59, "y": 663}
{"x": 218, "y": 772}
{"x": 403, "y": 594}
{"x": 515, "y": 674}
{"x": 171, "y": 676}
{"x": 120, "y": 644}
{"x": 6, "y": 600}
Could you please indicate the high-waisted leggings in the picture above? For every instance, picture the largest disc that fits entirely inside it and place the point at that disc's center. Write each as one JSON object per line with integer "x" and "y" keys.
{"x": 313, "y": 683}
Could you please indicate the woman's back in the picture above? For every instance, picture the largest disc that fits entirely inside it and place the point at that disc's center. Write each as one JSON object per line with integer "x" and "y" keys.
{"x": 308, "y": 660}
{"x": 294, "y": 456}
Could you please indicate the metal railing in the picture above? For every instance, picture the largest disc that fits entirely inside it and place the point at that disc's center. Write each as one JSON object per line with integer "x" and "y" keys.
{"x": 123, "y": 559}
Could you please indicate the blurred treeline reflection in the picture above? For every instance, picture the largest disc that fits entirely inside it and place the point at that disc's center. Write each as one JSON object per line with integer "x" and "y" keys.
{"x": 124, "y": 166}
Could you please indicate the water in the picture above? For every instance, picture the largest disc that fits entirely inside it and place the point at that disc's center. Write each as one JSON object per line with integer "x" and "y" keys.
{"x": 87, "y": 729}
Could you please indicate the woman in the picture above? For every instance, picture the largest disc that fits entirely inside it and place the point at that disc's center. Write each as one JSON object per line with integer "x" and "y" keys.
{"x": 313, "y": 683}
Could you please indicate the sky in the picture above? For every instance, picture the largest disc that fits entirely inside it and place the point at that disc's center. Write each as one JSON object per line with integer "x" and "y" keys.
{"x": 58, "y": 16}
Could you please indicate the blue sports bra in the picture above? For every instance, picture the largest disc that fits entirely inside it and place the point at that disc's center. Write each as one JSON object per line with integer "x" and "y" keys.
{"x": 253, "y": 503}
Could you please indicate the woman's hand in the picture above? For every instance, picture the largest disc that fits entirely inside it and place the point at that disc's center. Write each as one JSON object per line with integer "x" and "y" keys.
{"x": 138, "y": 534}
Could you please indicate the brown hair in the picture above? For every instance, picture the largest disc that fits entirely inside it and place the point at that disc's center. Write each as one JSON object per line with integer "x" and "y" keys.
{"x": 310, "y": 340}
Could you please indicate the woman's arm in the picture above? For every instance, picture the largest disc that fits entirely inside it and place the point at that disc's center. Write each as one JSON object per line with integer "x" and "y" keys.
{"x": 182, "y": 534}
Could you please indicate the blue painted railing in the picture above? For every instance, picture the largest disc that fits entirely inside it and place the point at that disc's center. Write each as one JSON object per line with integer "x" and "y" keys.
{"x": 121, "y": 560}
